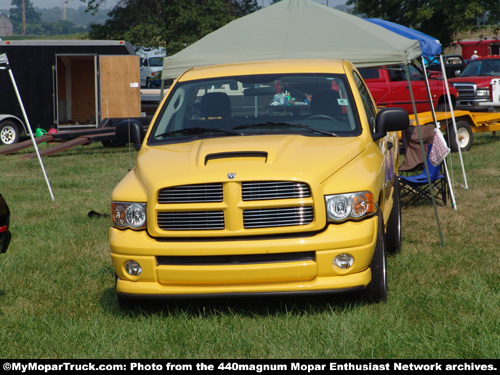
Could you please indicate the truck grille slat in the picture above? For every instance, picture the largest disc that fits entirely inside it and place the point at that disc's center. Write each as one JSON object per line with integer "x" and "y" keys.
{"x": 277, "y": 217}
{"x": 199, "y": 220}
{"x": 267, "y": 190}
{"x": 191, "y": 194}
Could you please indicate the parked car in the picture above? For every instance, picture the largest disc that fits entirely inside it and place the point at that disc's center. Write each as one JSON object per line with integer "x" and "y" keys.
{"x": 4, "y": 225}
{"x": 389, "y": 88}
{"x": 473, "y": 84}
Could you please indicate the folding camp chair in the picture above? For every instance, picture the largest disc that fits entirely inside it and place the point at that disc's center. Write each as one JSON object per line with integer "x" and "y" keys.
{"x": 416, "y": 187}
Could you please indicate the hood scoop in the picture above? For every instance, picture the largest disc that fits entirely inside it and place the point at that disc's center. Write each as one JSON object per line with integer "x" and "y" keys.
{"x": 253, "y": 155}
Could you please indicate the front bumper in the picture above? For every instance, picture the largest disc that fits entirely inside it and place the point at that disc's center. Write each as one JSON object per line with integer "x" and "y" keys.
{"x": 216, "y": 267}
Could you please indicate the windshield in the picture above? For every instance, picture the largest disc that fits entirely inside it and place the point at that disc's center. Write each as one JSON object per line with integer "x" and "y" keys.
{"x": 156, "y": 61}
{"x": 307, "y": 104}
{"x": 488, "y": 67}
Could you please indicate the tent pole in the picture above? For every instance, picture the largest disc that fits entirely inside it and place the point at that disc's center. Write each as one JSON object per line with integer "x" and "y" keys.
{"x": 28, "y": 125}
{"x": 450, "y": 186}
{"x": 453, "y": 119}
{"x": 422, "y": 148}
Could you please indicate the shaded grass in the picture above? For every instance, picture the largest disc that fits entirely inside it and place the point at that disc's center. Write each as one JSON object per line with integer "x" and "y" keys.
{"x": 57, "y": 295}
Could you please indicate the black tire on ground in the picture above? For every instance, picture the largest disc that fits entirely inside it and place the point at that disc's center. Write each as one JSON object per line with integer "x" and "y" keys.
{"x": 9, "y": 132}
{"x": 376, "y": 291}
{"x": 465, "y": 136}
{"x": 393, "y": 234}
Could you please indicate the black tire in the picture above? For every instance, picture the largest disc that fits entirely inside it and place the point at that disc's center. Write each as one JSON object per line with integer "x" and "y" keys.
{"x": 393, "y": 234}
{"x": 9, "y": 133}
{"x": 441, "y": 107}
{"x": 376, "y": 291}
{"x": 465, "y": 136}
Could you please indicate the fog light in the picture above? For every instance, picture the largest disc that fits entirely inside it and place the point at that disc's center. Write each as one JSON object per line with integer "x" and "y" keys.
{"x": 343, "y": 261}
{"x": 133, "y": 268}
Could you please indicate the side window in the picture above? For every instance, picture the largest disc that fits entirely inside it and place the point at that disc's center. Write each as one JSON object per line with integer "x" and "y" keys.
{"x": 369, "y": 73}
{"x": 370, "y": 110}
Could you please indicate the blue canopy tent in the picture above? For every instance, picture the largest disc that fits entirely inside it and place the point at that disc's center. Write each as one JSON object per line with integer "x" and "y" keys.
{"x": 429, "y": 45}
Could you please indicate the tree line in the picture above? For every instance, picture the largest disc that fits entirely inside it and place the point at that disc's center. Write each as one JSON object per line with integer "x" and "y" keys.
{"x": 175, "y": 24}
{"x": 49, "y": 21}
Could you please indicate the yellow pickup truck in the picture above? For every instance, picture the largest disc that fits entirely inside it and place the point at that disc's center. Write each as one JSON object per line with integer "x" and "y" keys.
{"x": 261, "y": 178}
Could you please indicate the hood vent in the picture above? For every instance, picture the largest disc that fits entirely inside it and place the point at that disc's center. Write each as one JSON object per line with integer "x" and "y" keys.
{"x": 236, "y": 154}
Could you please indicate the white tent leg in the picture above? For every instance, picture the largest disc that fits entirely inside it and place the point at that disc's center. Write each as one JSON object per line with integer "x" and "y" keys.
{"x": 452, "y": 195}
{"x": 30, "y": 131}
{"x": 450, "y": 186}
{"x": 453, "y": 120}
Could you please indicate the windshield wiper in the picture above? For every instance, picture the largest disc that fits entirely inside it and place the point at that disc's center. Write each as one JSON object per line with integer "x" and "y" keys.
{"x": 280, "y": 124}
{"x": 196, "y": 131}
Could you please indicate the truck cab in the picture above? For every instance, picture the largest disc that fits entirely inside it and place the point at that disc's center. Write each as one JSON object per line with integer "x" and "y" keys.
{"x": 261, "y": 178}
{"x": 389, "y": 87}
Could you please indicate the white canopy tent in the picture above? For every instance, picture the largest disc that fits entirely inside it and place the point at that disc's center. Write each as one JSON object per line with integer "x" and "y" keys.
{"x": 295, "y": 29}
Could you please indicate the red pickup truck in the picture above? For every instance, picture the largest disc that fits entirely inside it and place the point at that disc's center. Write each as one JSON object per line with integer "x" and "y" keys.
{"x": 389, "y": 88}
{"x": 474, "y": 83}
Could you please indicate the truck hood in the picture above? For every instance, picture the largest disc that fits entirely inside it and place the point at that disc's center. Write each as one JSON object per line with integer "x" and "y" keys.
{"x": 246, "y": 158}
{"x": 480, "y": 81}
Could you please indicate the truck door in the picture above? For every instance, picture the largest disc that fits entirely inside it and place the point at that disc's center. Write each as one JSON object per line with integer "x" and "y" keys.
{"x": 120, "y": 94}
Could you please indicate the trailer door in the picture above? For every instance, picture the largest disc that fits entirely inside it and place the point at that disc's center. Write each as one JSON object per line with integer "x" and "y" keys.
{"x": 75, "y": 94}
{"x": 120, "y": 94}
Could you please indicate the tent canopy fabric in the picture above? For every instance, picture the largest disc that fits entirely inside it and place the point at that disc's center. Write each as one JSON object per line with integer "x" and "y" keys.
{"x": 295, "y": 29}
{"x": 429, "y": 45}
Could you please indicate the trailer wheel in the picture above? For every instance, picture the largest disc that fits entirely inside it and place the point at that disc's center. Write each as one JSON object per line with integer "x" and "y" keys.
{"x": 464, "y": 136}
{"x": 9, "y": 132}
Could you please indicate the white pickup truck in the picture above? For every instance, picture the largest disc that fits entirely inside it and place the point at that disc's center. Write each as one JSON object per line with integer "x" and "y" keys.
{"x": 151, "y": 65}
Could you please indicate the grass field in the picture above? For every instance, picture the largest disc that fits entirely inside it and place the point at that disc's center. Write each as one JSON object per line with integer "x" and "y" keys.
{"x": 57, "y": 295}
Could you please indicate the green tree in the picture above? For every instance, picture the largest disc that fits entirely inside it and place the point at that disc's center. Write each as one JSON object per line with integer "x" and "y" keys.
{"x": 32, "y": 17}
{"x": 172, "y": 24}
{"x": 442, "y": 19}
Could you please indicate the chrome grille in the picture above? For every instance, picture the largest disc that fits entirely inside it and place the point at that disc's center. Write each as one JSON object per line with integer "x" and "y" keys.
{"x": 191, "y": 194}
{"x": 198, "y": 220}
{"x": 277, "y": 217}
{"x": 211, "y": 206}
{"x": 465, "y": 90}
{"x": 268, "y": 190}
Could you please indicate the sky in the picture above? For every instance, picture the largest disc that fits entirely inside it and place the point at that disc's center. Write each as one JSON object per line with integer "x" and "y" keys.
{"x": 6, "y": 4}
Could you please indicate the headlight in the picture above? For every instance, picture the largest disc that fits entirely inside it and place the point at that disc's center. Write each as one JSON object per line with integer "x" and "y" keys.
{"x": 341, "y": 207}
{"x": 483, "y": 92}
{"x": 129, "y": 215}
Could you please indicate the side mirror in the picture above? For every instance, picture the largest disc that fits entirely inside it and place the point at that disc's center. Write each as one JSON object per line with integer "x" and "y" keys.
{"x": 129, "y": 131}
{"x": 390, "y": 120}
{"x": 458, "y": 72}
